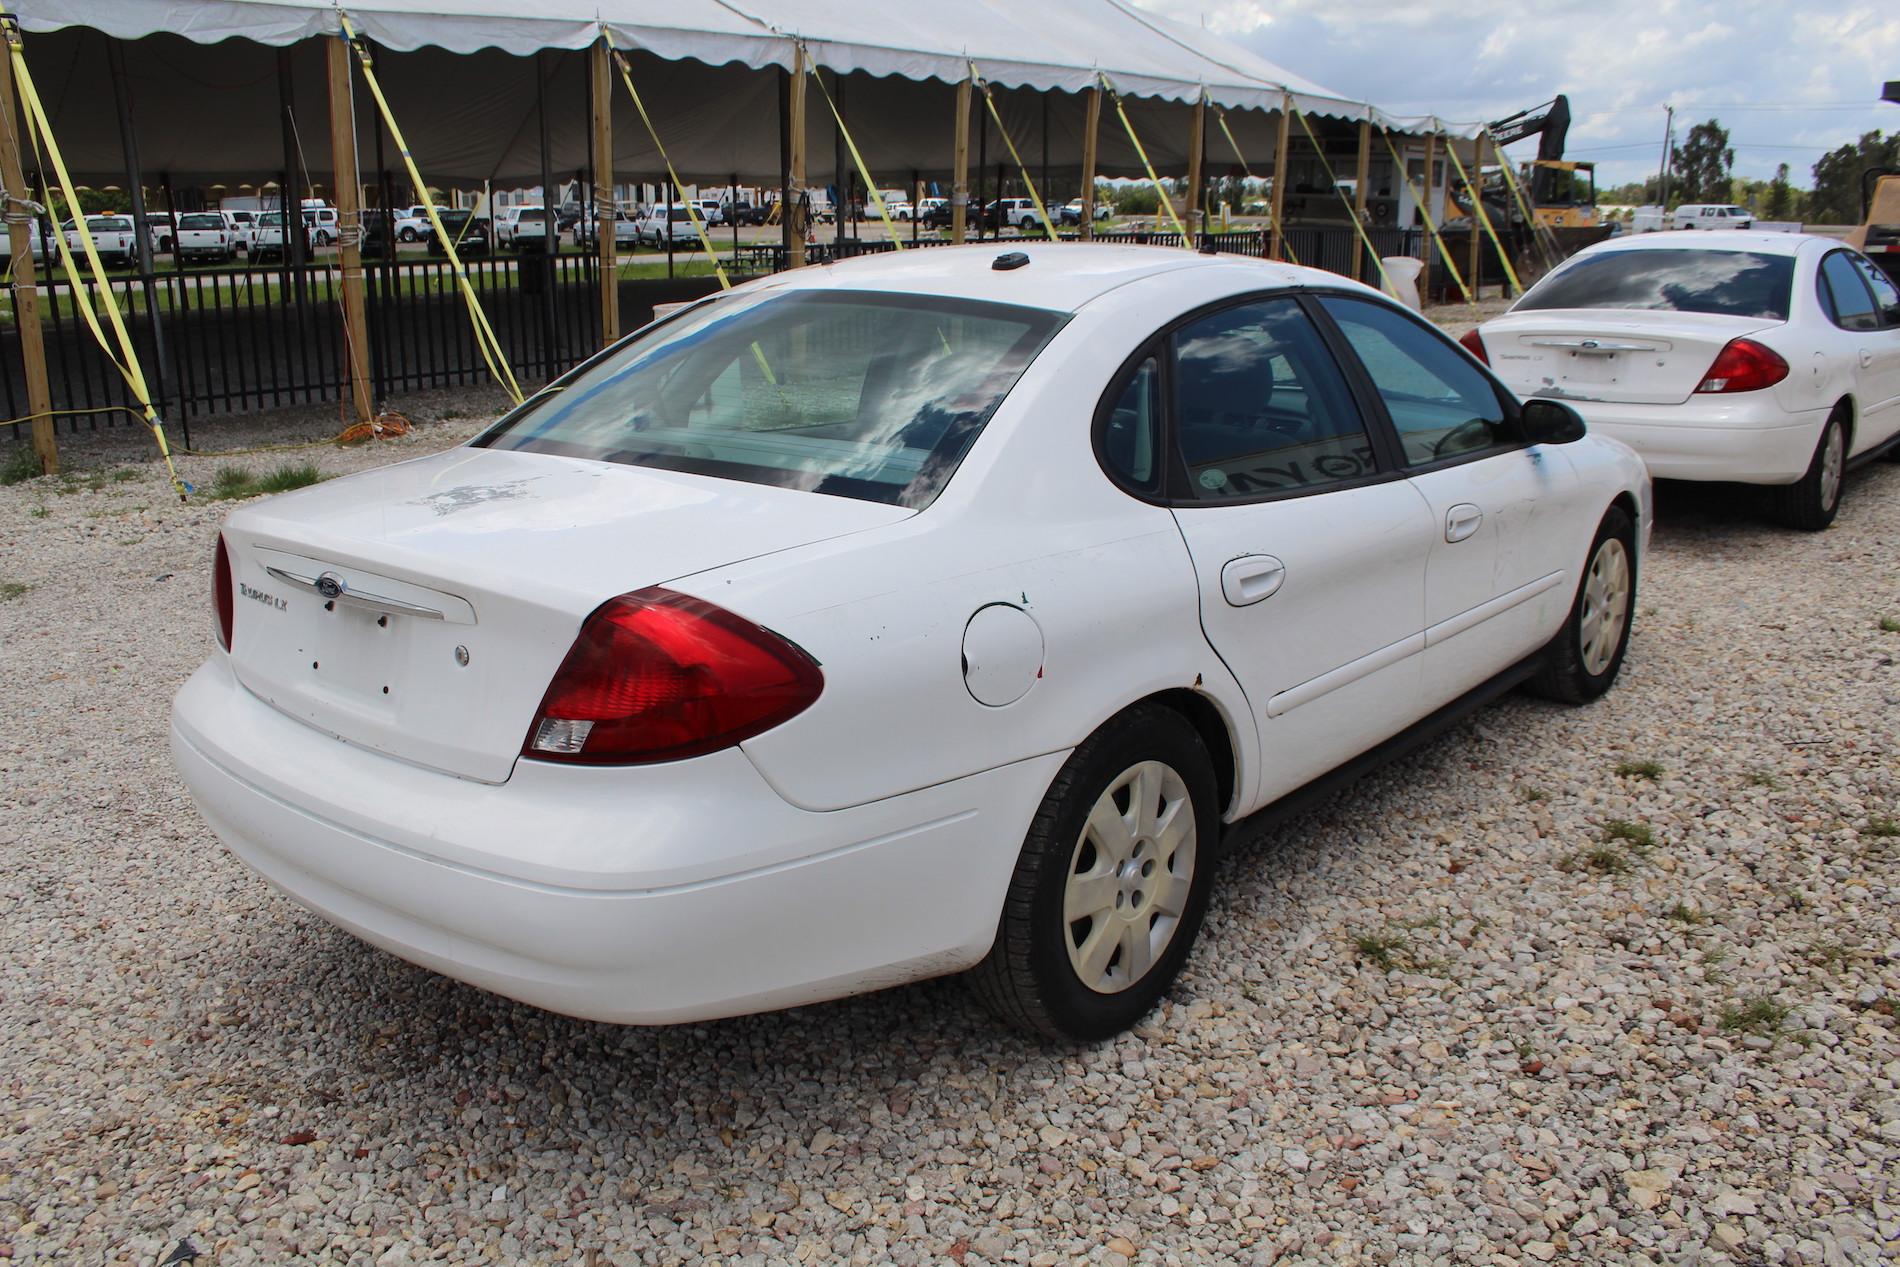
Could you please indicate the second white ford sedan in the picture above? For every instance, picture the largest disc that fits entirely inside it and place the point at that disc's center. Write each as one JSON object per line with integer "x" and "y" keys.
{"x": 889, "y": 619}
{"x": 1755, "y": 358}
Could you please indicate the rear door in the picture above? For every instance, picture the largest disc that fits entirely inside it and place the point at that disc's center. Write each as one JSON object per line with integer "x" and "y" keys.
{"x": 1505, "y": 515}
{"x": 1308, "y": 547}
{"x": 1880, "y": 359}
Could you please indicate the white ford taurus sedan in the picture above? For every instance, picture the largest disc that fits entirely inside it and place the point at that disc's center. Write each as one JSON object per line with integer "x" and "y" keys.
{"x": 1756, "y": 358}
{"x": 884, "y": 620}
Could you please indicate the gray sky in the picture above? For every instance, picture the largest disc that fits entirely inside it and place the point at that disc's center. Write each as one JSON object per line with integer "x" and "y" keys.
{"x": 1789, "y": 80}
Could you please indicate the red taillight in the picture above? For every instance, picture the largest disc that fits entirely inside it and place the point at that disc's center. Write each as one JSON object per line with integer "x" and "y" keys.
{"x": 221, "y": 593}
{"x": 1471, "y": 342}
{"x": 1743, "y": 366}
{"x": 657, "y": 676}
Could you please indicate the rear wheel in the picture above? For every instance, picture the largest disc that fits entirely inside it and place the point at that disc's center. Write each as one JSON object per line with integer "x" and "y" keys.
{"x": 1583, "y": 660}
{"x": 1810, "y": 503}
{"x": 1111, "y": 884}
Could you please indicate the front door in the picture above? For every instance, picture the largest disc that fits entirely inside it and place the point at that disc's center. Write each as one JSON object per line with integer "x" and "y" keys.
{"x": 1496, "y": 587}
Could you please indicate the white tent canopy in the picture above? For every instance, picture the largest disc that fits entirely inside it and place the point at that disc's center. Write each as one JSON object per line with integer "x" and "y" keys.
{"x": 209, "y": 102}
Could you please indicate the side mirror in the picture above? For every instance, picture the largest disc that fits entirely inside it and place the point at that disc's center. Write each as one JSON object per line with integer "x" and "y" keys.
{"x": 1551, "y": 422}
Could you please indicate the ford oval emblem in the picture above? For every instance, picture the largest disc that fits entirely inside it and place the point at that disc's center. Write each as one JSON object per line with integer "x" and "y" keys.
{"x": 330, "y": 585}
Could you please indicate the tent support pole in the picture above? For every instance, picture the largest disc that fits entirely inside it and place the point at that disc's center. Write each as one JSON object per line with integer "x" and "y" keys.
{"x": 791, "y": 211}
{"x": 1197, "y": 136}
{"x": 1431, "y": 249}
{"x": 960, "y": 178}
{"x": 839, "y": 181}
{"x": 550, "y": 236}
{"x": 1278, "y": 204}
{"x": 26, "y": 290}
{"x": 349, "y": 215}
{"x": 1360, "y": 175}
{"x": 1091, "y": 129}
{"x": 135, "y": 177}
{"x": 1476, "y": 186}
{"x": 605, "y": 213}
{"x": 982, "y": 173}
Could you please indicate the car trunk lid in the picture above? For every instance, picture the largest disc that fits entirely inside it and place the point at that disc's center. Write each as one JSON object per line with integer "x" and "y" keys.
{"x": 1637, "y": 358}
{"x": 421, "y": 610}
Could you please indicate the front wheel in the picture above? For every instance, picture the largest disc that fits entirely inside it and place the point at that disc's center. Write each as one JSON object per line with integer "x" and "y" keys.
{"x": 1111, "y": 884}
{"x": 1583, "y": 660}
{"x": 1811, "y": 502}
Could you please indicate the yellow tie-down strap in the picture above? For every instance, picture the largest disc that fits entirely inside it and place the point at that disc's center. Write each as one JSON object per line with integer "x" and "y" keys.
{"x": 1478, "y": 211}
{"x": 1425, "y": 209}
{"x": 1048, "y": 225}
{"x": 1141, "y": 153}
{"x": 1228, "y": 132}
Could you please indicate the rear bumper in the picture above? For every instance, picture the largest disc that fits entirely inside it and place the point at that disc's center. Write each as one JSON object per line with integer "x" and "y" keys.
{"x": 1754, "y": 444}
{"x": 672, "y": 893}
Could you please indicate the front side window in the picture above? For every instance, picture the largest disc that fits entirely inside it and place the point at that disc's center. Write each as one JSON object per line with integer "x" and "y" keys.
{"x": 855, "y": 394}
{"x": 1440, "y": 403}
{"x": 1260, "y": 406}
{"x": 1886, "y": 294}
{"x": 1678, "y": 279}
{"x": 1845, "y": 296}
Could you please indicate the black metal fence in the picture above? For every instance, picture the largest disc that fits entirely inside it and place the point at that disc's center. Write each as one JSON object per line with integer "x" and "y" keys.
{"x": 254, "y": 336}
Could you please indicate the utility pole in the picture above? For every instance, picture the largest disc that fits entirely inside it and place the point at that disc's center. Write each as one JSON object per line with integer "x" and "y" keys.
{"x": 1662, "y": 171}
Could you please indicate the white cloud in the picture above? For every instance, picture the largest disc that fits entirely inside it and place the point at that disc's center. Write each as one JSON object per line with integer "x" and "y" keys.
{"x": 1787, "y": 81}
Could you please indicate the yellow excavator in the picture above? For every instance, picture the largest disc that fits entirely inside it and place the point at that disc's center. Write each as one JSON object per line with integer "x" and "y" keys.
{"x": 1878, "y": 234}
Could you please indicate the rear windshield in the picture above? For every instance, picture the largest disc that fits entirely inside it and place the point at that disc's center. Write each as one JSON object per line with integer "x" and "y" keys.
{"x": 1723, "y": 283}
{"x": 200, "y": 222}
{"x": 863, "y": 395}
{"x": 109, "y": 224}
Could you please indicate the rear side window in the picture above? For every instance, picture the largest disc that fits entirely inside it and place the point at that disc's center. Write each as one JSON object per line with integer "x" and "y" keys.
{"x": 1723, "y": 283}
{"x": 1441, "y": 404}
{"x": 1845, "y": 296}
{"x": 1261, "y": 406}
{"x": 1131, "y": 439}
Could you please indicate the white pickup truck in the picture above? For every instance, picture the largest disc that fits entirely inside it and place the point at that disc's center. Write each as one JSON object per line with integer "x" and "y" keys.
{"x": 654, "y": 228}
{"x": 269, "y": 243}
{"x": 111, "y": 237}
{"x": 522, "y": 228}
{"x": 206, "y": 235}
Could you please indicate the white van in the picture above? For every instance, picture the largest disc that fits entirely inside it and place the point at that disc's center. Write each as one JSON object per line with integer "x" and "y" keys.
{"x": 1711, "y": 215}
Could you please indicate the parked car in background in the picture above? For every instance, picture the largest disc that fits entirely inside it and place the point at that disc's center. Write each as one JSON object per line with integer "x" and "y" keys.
{"x": 412, "y": 223}
{"x": 39, "y": 243}
{"x": 655, "y": 228}
{"x": 243, "y": 228}
{"x": 569, "y": 214}
{"x": 112, "y": 238}
{"x": 626, "y": 232}
{"x": 1723, "y": 215}
{"x": 1756, "y": 358}
{"x": 741, "y": 212}
{"x": 675, "y": 693}
{"x": 1016, "y": 213}
{"x": 927, "y": 207}
{"x": 205, "y": 235}
{"x": 270, "y": 244}
{"x": 900, "y": 209}
{"x": 322, "y": 223}
{"x": 1071, "y": 211}
{"x": 514, "y": 224}
{"x": 472, "y": 234}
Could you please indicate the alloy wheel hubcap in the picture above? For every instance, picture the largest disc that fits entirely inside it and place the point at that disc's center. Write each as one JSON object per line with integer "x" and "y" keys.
{"x": 1832, "y": 460}
{"x": 1606, "y": 606}
{"x": 1129, "y": 877}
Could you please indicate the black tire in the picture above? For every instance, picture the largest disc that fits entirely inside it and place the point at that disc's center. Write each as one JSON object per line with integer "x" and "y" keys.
{"x": 1567, "y": 675}
{"x": 1028, "y": 978}
{"x": 1805, "y": 504}
{"x": 407, "y": 235}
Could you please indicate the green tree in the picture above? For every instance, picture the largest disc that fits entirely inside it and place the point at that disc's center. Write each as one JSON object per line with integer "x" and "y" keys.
{"x": 1701, "y": 167}
{"x": 1836, "y": 196}
{"x": 1778, "y": 204}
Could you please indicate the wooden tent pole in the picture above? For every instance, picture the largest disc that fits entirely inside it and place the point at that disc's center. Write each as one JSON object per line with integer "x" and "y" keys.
{"x": 1431, "y": 248}
{"x": 1090, "y": 131}
{"x": 1278, "y": 204}
{"x": 349, "y": 216}
{"x": 1360, "y": 175}
{"x": 960, "y": 179}
{"x": 795, "y": 188}
{"x": 604, "y": 211}
{"x": 1197, "y": 137}
{"x": 26, "y": 289}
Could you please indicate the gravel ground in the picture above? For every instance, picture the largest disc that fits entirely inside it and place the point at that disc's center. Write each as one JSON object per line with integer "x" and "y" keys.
{"x": 1440, "y": 1019}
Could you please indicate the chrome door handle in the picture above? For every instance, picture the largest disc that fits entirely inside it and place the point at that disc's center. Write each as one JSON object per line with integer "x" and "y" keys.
{"x": 1461, "y": 521}
{"x": 1250, "y": 578}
